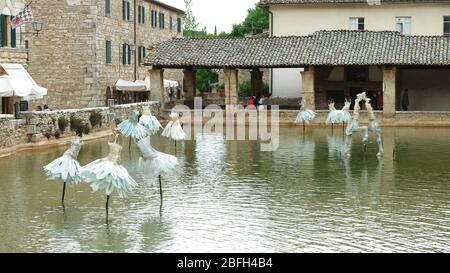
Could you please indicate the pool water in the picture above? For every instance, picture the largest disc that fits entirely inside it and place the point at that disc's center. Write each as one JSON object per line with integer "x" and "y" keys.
{"x": 228, "y": 196}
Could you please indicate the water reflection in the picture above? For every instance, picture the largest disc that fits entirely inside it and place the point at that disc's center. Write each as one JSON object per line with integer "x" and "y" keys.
{"x": 228, "y": 196}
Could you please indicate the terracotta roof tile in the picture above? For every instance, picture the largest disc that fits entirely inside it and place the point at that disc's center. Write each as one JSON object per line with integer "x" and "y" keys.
{"x": 341, "y": 47}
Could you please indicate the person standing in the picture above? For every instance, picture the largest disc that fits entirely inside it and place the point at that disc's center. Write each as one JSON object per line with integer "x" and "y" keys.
{"x": 380, "y": 101}
{"x": 405, "y": 100}
{"x": 251, "y": 103}
{"x": 374, "y": 101}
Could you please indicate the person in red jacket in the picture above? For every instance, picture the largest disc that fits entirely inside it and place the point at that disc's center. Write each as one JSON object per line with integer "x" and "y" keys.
{"x": 380, "y": 101}
{"x": 251, "y": 103}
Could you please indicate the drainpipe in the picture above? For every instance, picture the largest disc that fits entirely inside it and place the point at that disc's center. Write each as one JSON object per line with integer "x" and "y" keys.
{"x": 135, "y": 41}
{"x": 271, "y": 34}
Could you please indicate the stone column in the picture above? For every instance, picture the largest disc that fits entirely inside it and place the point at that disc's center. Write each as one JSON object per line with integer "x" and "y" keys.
{"x": 189, "y": 84}
{"x": 389, "y": 91}
{"x": 256, "y": 81}
{"x": 157, "y": 85}
{"x": 231, "y": 80}
{"x": 308, "y": 92}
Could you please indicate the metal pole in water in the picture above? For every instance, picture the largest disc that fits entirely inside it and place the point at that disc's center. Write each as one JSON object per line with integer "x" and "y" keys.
{"x": 160, "y": 190}
{"x": 107, "y": 205}
{"x": 64, "y": 192}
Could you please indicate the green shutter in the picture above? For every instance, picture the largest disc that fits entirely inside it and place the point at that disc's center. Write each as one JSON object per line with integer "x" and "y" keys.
{"x": 108, "y": 51}
{"x": 124, "y": 10}
{"x": 129, "y": 54}
{"x": 124, "y": 52}
{"x": 2, "y": 31}
{"x": 128, "y": 10}
{"x": 13, "y": 38}
{"x": 107, "y": 7}
{"x": 143, "y": 15}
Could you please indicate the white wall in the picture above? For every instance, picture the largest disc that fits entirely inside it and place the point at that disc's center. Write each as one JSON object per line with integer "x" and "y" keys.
{"x": 287, "y": 83}
{"x": 429, "y": 90}
{"x": 427, "y": 19}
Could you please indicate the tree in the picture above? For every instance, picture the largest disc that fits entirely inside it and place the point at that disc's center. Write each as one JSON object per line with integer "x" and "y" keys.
{"x": 204, "y": 78}
{"x": 256, "y": 21}
{"x": 190, "y": 23}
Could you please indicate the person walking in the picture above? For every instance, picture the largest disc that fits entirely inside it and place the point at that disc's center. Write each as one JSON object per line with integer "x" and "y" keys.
{"x": 405, "y": 100}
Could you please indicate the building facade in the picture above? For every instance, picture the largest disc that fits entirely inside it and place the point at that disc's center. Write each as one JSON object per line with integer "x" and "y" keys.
{"x": 12, "y": 43}
{"x": 428, "y": 88}
{"x": 86, "y": 46}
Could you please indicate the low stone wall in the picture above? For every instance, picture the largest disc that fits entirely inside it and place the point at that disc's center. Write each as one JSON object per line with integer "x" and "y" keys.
{"x": 401, "y": 119}
{"x": 35, "y": 127}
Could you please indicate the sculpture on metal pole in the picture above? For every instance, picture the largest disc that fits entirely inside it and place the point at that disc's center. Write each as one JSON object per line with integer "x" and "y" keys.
{"x": 354, "y": 127}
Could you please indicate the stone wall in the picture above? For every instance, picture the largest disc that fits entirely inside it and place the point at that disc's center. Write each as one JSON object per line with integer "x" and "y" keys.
{"x": 34, "y": 127}
{"x": 68, "y": 57}
{"x": 14, "y": 56}
{"x": 44, "y": 124}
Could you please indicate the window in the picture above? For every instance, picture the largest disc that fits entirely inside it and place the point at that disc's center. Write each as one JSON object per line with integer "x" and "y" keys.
{"x": 141, "y": 54}
{"x": 126, "y": 10}
{"x": 3, "y": 30}
{"x": 171, "y": 23}
{"x": 403, "y": 25}
{"x": 446, "y": 25}
{"x": 141, "y": 15}
{"x": 356, "y": 23}
{"x": 179, "y": 25}
{"x": 107, "y": 8}
{"x": 126, "y": 54}
{"x": 154, "y": 19}
{"x": 108, "y": 51}
{"x": 161, "y": 20}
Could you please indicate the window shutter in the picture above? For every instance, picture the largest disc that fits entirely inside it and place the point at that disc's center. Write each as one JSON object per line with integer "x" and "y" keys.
{"x": 129, "y": 54}
{"x": 107, "y": 7}
{"x": 3, "y": 31}
{"x": 124, "y": 54}
{"x": 13, "y": 37}
{"x": 128, "y": 10}
{"x": 124, "y": 17}
{"x": 153, "y": 18}
{"x": 108, "y": 51}
{"x": 143, "y": 15}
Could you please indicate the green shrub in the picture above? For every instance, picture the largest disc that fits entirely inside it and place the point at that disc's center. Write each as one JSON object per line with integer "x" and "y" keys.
{"x": 96, "y": 119}
{"x": 79, "y": 126}
{"x": 62, "y": 124}
{"x": 245, "y": 89}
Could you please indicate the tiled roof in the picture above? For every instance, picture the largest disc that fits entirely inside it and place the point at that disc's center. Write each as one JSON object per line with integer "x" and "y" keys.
{"x": 340, "y": 47}
{"x": 164, "y": 5}
{"x": 287, "y": 2}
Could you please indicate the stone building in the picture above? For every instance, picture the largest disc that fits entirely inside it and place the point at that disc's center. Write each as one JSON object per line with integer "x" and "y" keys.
{"x": 12, "y": 43}
{"x": 86, "y": 46}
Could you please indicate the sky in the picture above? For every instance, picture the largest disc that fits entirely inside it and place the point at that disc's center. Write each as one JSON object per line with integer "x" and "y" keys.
{"x": 220, "y": 13}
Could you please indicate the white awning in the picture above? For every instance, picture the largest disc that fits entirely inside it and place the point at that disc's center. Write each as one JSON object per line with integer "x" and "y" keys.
{"x": 18, "y": 83}
{"x": 124, "y": 85}
{"x": 141, "y": 85}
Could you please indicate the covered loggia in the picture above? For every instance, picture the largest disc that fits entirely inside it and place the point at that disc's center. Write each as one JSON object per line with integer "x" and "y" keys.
{"x": 376, "y": 61}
